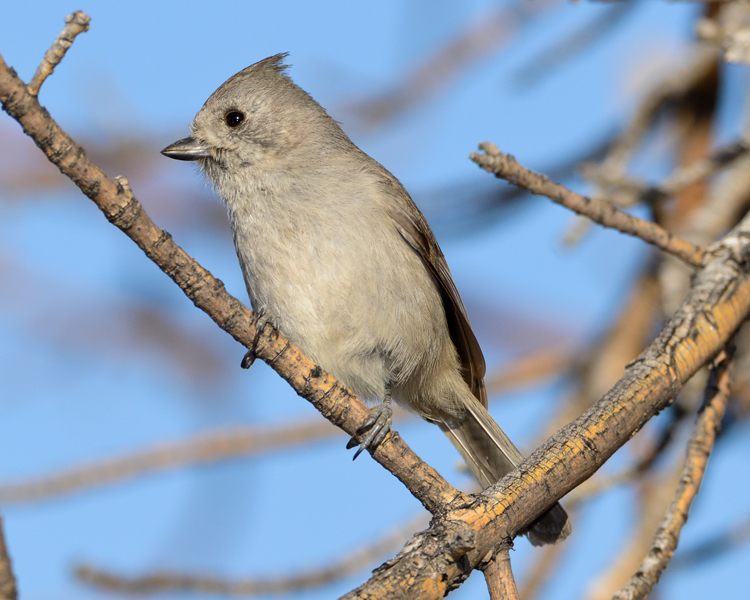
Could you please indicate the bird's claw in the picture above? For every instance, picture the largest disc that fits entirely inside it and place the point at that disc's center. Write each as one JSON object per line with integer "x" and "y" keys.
{"x": 377, "y": 426}
{"x": 263, "y": 320}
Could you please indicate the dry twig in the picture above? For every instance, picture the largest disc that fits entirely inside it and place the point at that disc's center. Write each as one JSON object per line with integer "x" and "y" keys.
{"x": 477, "y": 41}
{"x": 624, "y": 191}
{"x": 504, "y": 166}
{"x": 75, "y": 23}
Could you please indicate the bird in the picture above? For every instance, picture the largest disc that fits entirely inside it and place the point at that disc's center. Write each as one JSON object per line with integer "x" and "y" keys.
{"x": 337, "y": 256}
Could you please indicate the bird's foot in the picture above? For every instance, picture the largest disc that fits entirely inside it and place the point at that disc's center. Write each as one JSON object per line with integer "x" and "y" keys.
{"x": 377, "y": 426}
{"x": 263, "y": 320}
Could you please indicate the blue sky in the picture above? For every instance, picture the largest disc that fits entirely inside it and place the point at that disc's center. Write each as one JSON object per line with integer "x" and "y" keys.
{"x": 75, "y": 388}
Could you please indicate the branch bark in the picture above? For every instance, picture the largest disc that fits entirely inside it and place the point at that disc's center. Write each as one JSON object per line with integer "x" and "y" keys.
{"x": 500, "y": 582}
{"x": 505, "y": 166}
{"x": 699, "y": 449}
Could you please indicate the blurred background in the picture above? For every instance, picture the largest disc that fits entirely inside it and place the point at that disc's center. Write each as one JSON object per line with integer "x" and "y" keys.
{"x": 130, "y": 439}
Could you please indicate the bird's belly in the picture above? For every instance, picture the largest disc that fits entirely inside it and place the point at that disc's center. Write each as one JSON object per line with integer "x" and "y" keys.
{"x": 356, "y": 314}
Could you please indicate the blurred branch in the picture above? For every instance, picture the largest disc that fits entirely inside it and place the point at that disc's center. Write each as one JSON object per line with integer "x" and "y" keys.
{"x": 8, "y": 589}
{"x": 531, "y": 368}
{"x": 352, "y": 563}
{"x": 202, "y": 449}
{"x": 75, "y": 23}
{"x": 542, "y": 64}
{"x": 669, "y": 89}
{"x": 544, "y": 565}
{"x": 625, "y": 191}
{"x": 653, "y": 494}
{"x": 499, "y": 576}
{"x": 482, "y": 38}
{"x": 699, "y": 449}
{"x": 504, "y": 166}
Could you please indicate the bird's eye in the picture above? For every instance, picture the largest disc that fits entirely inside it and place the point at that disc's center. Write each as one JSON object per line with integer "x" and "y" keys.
{"x": 234, "y": 118}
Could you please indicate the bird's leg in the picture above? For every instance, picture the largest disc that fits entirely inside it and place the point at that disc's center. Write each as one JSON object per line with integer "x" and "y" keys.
{"x": 377, "y": 425}
{"x": 263, "y": 320}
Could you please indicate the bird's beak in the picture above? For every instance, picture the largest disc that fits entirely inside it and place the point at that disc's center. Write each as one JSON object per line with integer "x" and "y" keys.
{"x": 189, "y": 148}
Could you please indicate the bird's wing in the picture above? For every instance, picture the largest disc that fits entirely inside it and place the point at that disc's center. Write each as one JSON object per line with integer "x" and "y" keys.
{"x": 413, "y": 227}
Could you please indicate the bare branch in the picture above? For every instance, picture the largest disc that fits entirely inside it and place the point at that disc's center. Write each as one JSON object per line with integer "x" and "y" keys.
{"x": 669, "y": 89}
{"x": 477, "y": 41}
{"x": 505, "y": 166}
{"x": 499, "y": 577}
{"x": 563, "y": 51}
{"x": 544, "y": 566}
{"x": 75, "y": 23}
{"x": 699, "y": 449}
{"x": 440, "y": 558}
{"x": 738, "y": 534}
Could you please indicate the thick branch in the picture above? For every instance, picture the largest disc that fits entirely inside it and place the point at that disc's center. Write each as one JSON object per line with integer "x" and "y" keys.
{"x": 440, "y": 558}
{"x": 122, "y": 209}
{"x": 504, "y": 166}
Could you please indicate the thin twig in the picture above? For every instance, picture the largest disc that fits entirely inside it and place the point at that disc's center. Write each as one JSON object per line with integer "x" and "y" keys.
{"x": 653, "y": 495}
{"x": 8, "y": 590}
{"x": 505, "y": 166}
{"x": 499, "y": 577}
{"x": 351, "y": 563}
{"x": 531, "y": 369}
{"x": 554, "y": 56}
{"x": 699, "y": 449}
{"x": 75, "y": 23}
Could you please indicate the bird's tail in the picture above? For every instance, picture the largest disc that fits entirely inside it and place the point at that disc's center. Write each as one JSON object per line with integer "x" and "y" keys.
{"x": 490, "y": 454}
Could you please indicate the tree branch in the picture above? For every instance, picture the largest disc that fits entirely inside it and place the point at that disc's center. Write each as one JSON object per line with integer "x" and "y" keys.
{"x": 699, "y": 448}
{"x": 353, "y": 562}
{"x": 439, "y": 559}
{"x": 75, "y": 23}
{"x": 499, "y": 576}
{"x": 505, "y": 166}
{"x": 197, "y": 450}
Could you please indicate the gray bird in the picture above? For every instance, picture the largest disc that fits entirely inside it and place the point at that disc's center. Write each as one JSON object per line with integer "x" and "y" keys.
{"x": 337, "y": 255}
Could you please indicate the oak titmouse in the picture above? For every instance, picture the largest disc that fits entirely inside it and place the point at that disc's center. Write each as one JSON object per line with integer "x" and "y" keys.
{"x": 338, "y": 256}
